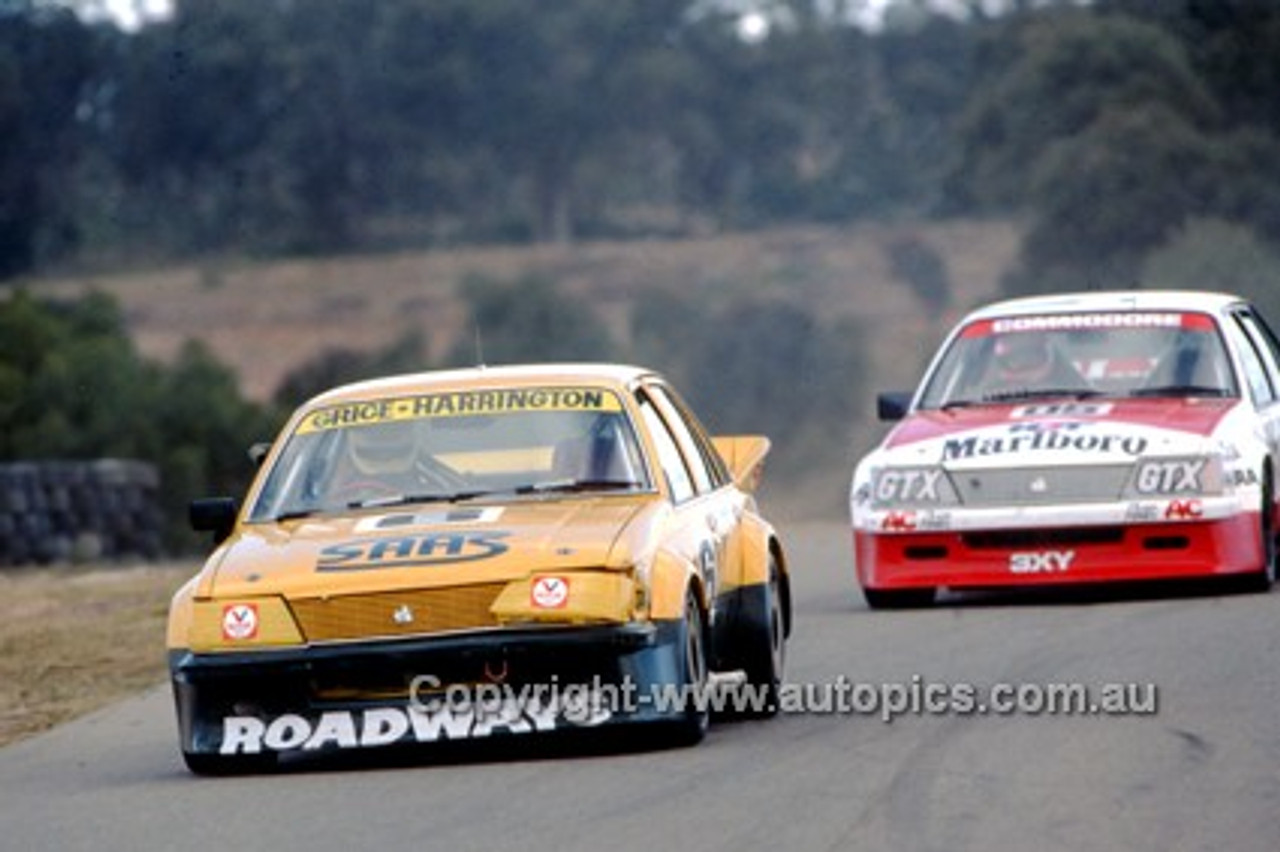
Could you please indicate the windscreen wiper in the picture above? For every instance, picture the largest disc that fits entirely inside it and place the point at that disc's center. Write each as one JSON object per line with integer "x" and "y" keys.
{"x": 1040, "y": 393}
{"x": 408, "y": 499}
{"x": 571, "y": 486}
{"x": 1181, "y": 390}
{"x": 293, "y": 515}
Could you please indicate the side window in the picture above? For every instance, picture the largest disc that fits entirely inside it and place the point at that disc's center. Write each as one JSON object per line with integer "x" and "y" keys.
{"x": 1265, "y": 341}
{"x": 1255, "y": 371}
{"x": 709, "y": 472}
{"x": 669, "y": 457}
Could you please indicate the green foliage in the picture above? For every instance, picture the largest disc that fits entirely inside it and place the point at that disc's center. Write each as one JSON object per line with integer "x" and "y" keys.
{"x": 339, "y": 366}
{"x": 766, "y": 367}
{"x": 74, "y": 388}
{"x": 1106, "y": 196}
{"x": 1211, "y": 254}
{"x": 47, "y": 61}
{"x": 527, "y": 320}
{"x": 916, "y": 263}
{"x": 1053, "y": 77}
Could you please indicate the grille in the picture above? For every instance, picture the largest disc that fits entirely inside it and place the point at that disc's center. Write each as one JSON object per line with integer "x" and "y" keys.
{"x": 1041, "y": 486}
{"x": 1020, "y": 539}
{"x": 402, "y": 613}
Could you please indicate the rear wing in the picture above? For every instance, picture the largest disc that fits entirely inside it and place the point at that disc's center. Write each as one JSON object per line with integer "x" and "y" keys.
{"x": 744, "y": 455}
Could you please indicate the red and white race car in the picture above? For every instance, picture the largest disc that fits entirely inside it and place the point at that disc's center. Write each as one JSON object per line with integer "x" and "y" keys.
{"x": 1078, "y": 439}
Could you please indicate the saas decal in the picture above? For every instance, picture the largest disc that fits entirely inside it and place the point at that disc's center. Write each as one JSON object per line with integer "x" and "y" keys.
{"x": 407, "y": 551}
{"x": 458, "y": 404}
{"x": 239, "y": 622}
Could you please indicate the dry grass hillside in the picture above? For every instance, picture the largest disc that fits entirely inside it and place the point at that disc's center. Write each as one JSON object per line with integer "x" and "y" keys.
{"x": 266, "y": 318}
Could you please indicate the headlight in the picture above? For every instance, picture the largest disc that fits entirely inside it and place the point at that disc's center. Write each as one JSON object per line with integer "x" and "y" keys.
{"x": 1194, "y": 475}
{"x": 911, "y": 486}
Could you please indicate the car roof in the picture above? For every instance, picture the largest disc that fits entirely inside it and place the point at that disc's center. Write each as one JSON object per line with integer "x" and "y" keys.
{"x": 1109, "y": 300}
{"x": 481, "y": 377}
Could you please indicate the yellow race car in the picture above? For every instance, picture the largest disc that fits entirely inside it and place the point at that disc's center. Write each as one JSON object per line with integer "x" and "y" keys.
{"x": 481, "y": 552}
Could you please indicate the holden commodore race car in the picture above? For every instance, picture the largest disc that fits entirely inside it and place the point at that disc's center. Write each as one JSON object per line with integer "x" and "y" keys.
{"x": 474, "y": 553}
{"x": 1103, "y": 436}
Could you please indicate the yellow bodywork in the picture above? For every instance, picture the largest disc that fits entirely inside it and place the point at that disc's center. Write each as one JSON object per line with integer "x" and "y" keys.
{"x": 419, "y": 570}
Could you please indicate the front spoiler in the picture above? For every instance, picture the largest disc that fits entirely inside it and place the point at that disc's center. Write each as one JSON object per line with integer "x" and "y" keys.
{"x": 357, "y": 695}
{"x": 1054, "y": 556}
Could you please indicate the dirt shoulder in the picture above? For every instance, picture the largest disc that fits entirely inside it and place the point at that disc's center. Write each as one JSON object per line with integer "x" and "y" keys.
{"x": 76, "y": 639}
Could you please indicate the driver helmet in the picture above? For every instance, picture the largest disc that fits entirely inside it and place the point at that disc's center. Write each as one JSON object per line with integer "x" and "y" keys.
{"x": 1023, "y": 357}
{"x": 383, "y": 448}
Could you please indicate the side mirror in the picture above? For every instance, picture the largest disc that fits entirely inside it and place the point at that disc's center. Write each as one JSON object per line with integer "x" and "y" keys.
{"x": 258, "y": 452}
{"x": 892, "y": 405}
{"x": 213, "y": 514}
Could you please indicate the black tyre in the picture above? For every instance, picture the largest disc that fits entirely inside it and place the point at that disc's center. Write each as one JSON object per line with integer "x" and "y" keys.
{"x": 899, "y": 598}
{"x": 692, "y": 727}
{"x": 764, "y": 641}
{"x": 1265, "y": 577}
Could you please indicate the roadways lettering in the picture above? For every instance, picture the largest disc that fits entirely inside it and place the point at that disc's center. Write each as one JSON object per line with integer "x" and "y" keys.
{"x": 419, "y": 723}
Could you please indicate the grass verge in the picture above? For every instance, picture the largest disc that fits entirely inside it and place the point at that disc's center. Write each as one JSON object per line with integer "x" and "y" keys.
{"x": 73, "y": 640}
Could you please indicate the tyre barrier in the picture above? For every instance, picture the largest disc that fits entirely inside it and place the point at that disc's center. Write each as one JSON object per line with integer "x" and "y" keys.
{"x": 72, "y": 511}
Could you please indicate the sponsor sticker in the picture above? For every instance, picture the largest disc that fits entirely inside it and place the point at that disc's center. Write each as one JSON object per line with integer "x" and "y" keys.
{"x": 1041, "y": 562}
{"x": 550, "y": 592}
{"x": 458, "y": 404}
{"x": 413, "y": 550}
{"x": 1040, "y": 437}
{"x": 1184, "y": 510}
{"x": 487, "y": 712}
{"x": 239, "y": 622}
{"x": 431, "y": 518}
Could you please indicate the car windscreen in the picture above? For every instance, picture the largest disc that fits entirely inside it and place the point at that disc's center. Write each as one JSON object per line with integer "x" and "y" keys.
{"x": 1114, "y": 354}
{"x": 452, "y": 446}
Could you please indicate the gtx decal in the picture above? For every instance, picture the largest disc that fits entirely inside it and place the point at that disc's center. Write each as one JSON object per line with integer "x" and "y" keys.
{"x": 439, "y": 548}
{"x": 1170, "y": 476}
{"x": 458, "y": 404}
{"x": 1031, "y": 437}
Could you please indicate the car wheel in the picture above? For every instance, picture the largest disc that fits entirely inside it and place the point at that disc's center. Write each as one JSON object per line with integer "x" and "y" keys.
{"x": 899, "y": 598}
{"x": 765, "y": 643}
{"x": 1265, "y": 577}
{"x": 692, "y": 727}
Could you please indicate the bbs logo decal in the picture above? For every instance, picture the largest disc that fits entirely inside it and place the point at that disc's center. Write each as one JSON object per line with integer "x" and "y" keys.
{"x": 408, "y": 551}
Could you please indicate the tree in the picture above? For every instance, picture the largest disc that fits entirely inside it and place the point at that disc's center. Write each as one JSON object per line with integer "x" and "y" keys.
{"x": 339, "y": 366}
{"x": 1059, "y": 73}
{"x": 1104, "y": 198}
{"x": 75, "y": 388}
{"x": 1212, "y": 254}
{"x": 527, "y": 320}
{"x": 48, "y": 59}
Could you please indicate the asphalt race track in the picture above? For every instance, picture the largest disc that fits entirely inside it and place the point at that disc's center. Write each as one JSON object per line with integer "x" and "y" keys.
{"x": 1201, "y": 772}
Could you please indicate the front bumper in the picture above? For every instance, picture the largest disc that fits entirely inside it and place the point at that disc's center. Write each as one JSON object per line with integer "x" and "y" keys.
{"x": 1048, "y": 555}
{"x": 357, "y": 695}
